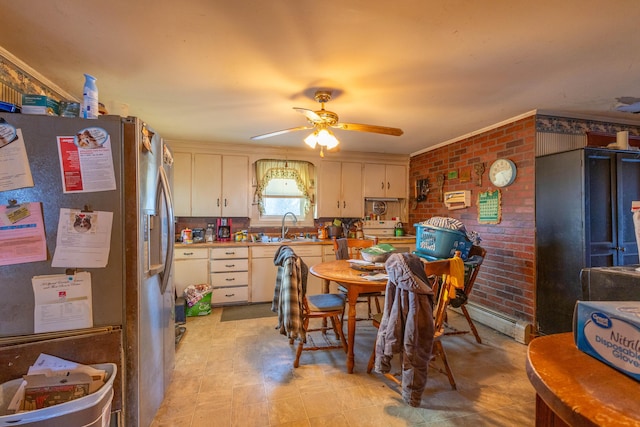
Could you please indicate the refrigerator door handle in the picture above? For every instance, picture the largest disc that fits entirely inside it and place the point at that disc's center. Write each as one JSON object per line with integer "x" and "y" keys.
{"x": 163, "y": 186}
{"x": 163, "y": 268}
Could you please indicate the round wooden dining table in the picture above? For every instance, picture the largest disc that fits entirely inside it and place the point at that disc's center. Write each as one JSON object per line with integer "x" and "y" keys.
{"x": 354, "y": 281}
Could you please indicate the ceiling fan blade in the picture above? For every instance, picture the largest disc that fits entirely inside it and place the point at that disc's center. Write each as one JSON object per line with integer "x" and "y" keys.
{"x": 369, "y": 128}
{"x": 309, "y": 114}
{"x": 280, "y": 132}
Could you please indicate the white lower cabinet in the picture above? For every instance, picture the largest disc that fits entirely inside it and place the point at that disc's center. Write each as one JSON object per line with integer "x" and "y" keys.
{"x": 263, "y": 273}
{"x": 191, "y": 268}
{"x": 229, "y": 275}
{"x": 263, "y": 270}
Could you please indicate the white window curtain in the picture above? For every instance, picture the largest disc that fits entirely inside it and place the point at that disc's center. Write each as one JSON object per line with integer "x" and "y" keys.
{"x": 300, "y": 171}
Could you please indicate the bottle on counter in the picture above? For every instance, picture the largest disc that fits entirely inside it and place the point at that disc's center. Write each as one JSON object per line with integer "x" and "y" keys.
{"x": 322, "y": 233}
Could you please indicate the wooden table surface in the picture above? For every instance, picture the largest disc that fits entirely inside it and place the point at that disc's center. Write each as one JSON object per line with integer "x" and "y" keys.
{"x": 578, "y": 388}
{"x": 341, "y": 271}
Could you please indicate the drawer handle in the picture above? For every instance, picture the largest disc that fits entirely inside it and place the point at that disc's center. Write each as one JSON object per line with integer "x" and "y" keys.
{"x": 229, "y": 295}
{"x": 187, "y": 253}
{"x": 230, "y": 279}
{"x": 230, "y": 253}
{"x": 229, "y": 265}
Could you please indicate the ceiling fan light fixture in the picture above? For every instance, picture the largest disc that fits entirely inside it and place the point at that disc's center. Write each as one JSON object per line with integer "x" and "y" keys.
{"x": 311, "y": 140}
{"x": 327, "y": 139}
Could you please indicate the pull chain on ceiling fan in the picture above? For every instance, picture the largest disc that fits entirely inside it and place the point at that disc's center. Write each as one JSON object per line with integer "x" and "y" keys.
{"x": 322, "y": 120}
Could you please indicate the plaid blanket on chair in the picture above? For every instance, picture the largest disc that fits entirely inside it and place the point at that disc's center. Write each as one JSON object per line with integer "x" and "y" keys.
{"x": 290, "y": 289}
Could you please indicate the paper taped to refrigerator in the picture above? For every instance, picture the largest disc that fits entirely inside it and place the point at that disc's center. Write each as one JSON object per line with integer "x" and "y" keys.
{"x": 22, "y": 236}
{"x": 86, "y": 162}
{"x": 83, "y": 240}
{"x": 62, "y": 302}
{"x": 14, "y": 164}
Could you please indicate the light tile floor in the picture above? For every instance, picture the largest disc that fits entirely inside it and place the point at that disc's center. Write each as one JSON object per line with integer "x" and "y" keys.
{"x": 241, "y": 373}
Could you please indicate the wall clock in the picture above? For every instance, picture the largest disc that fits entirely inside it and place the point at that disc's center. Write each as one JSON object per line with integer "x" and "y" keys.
{"x": 502, "y": 172}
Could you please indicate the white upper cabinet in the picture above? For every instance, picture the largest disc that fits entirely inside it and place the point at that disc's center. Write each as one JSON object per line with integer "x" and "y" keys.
{"x": 182, "y": 170}
{"x": 207, "y": 185}
{"x": 211, "y": 185}
{"x": 340, "y": 190}
{"x": 385, "y": 181}
{"x": 235, "y": 186}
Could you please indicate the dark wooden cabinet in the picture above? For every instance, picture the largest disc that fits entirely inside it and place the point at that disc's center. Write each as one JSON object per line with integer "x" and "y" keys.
{"x": 583, "y": 219}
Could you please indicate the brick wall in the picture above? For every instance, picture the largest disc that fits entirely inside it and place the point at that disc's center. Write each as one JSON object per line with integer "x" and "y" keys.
{"x": 506, "y": 281}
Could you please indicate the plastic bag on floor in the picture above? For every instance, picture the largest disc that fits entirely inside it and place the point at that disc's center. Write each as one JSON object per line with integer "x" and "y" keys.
{"x": 198, "y": 298}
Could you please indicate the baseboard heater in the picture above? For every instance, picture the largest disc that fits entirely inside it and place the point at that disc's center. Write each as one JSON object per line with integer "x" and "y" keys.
{"x": 519, "y": 330}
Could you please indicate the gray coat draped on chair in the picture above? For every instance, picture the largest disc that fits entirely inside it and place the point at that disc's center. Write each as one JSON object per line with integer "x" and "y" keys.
{"x": 290, "y": 289}
{"x": 407, "y": 325}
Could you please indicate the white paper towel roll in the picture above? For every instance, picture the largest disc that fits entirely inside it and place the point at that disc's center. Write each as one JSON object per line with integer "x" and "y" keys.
{"x": 622, "y": 139}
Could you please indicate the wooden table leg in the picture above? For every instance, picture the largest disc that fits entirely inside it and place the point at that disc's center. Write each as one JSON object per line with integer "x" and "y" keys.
{"x": 352, "y": 296}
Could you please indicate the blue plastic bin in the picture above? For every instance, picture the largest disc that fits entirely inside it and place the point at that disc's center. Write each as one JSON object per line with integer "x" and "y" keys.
{"x": 440, "y": 242}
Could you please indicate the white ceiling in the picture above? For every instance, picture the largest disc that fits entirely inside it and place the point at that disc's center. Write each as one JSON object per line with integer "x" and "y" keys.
{"x": 223, "y": 71}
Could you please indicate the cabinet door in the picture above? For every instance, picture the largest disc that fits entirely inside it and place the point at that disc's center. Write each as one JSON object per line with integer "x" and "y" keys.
{"x": 182, "y": 170}
{"x": 263, "y": 279}
{"x": 235, "y": 186}
{"x": 628, "y": 190}
{"x": 374, "y": 180}
{"x": 352, "y": 203}
{"x": 207, "y": 185}
{"x": 190, "y": 272}
{"x": 329, "y": 189}
{"x": 396, "y": 185}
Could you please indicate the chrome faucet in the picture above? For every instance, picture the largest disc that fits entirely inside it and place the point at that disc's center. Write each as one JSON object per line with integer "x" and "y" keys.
{"x": 295, "y": 221}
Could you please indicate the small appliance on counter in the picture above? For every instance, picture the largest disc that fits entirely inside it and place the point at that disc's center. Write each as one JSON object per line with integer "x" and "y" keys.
{"x": 223, "y": 232}
{"x": 210, "y": 233}
{"x": 380, "y": 228}
{"x": 198, "y": 235}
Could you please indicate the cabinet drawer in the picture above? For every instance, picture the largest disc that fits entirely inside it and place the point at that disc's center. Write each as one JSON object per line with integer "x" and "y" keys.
{"x": 190, "y": 253}
{"x": 235, "y": 278}
{"x": 307, "y": 250}
{"x": 229, "y": 252}
{"x": 221, "y": 296}
{"x": 222, "y": 265}
{"x": 266, "y": 251}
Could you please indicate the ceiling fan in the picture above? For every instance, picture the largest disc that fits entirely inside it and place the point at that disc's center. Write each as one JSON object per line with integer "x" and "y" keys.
{"x": 322, "y": 120}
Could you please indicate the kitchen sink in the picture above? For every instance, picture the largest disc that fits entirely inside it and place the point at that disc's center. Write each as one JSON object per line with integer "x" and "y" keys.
{"x": 297, "y": 239}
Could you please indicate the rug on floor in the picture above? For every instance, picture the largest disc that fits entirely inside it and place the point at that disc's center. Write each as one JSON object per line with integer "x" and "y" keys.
{"x": 243, "y": 312}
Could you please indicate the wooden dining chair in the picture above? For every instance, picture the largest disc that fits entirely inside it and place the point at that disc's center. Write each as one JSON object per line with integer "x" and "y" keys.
{"x": 295, "y": 308}
{"x": 347, "y": 248}
{"x": 471, "y": 267}
{"x": 444, "y": 289}
{"x": 322, "y": 306}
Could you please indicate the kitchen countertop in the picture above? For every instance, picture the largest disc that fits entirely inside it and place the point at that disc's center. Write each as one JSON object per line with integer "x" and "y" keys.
{"x": 392, "y": 240}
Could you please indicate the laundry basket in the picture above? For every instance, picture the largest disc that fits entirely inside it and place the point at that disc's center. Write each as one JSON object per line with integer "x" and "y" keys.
{"x": 93, "y": 410}
{"x": 441, "y": 242}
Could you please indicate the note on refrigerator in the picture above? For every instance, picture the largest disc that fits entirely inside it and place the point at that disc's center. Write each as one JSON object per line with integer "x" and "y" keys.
{"x": 14, "y": 164}
{"x": 62, "y": 302}
{"x": 22, "y": 236}
{"x": 84, "y": 239}
{"x": 86, "y": 162}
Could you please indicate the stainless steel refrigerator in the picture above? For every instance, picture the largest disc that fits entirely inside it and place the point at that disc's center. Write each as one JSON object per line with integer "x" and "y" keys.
{"x": 133, "y": 296}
